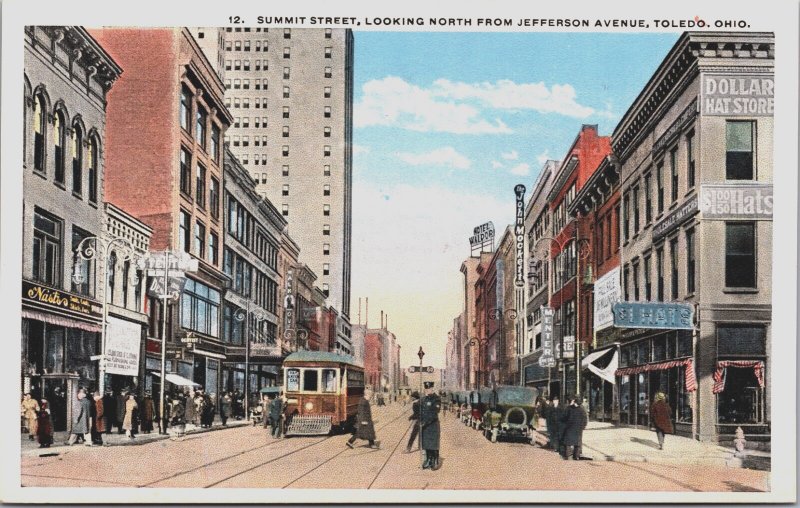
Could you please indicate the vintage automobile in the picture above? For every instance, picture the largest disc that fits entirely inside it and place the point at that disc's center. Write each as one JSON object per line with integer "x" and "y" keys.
{"x": 322, "y": 391}
{"x": 477, "y": 402}
{"x": 510, "y": 412}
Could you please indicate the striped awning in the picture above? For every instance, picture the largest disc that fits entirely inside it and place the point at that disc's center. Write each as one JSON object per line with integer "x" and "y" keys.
{"x": 691, "y": 379}
{"x": 54, "y": 319}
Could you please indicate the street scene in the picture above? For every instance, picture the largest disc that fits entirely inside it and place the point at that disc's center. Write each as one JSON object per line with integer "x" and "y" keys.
{"x": 573, "y": 243}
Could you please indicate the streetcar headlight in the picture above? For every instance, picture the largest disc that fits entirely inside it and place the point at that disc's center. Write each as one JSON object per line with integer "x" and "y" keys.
{"x": 309, "y": 406}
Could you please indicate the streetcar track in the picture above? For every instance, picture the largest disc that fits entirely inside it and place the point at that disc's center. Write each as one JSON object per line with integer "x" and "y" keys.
{"x": 82, "y": 480}
{"x": 402, "y": 413}
{"x": 390, "y": 456}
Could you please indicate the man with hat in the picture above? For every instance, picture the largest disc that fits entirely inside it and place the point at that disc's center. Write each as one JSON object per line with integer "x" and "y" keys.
{"x": 429, "y": 414}
{"x": 553, "y": 416}
{"x": 415, "y": 419}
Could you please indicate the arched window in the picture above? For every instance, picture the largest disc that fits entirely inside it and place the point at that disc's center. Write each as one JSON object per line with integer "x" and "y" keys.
{"x": 111, "y": 276}
{"x": 77, "y": 160}
{"x": 93, "y": 154}
{"x": 38, "y": 133}
{"x": 58, "y": 142}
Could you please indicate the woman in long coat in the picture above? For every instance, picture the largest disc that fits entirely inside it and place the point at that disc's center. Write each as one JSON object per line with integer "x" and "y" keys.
{"x": 121, "y": 400}
{"x": 130, "y": 407}
{"x": 44, "y": 427}
{"x": 365, "y": 429}
{"x": 189, "y": 408}
{"x": 30, "y": 410}
{"x": 98, "y": 419}
{"x": 660, "y": 414}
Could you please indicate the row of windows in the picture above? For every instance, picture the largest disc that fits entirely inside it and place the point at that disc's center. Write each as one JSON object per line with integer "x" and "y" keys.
{"x": 201, "y": 181}
{"x": 262, "y": 177}
{"x": 263, "y": 45}
{"x": 244, "y": 227}
{"x": 188, "y": 108}
{"x": 287, "y": 32}
{"x": 244, "y": 122}
{"x": 196, "y": 240}
{"x": 606, "y": 235}
{"x": 262, "y": 103}
{"x": 560, "y": 212}
{"x": 68, "y": 146}
{"x": 244, "y": 65}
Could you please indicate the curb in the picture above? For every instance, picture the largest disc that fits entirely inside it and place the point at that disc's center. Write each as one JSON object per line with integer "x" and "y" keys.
{"x": 57, "y": 450}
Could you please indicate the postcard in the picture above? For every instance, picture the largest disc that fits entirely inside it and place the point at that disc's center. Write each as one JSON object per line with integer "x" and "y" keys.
{"x": 417, "y": 253}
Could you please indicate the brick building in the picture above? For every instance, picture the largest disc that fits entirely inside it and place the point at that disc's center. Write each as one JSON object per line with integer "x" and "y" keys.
{"x": 164, "y": 166}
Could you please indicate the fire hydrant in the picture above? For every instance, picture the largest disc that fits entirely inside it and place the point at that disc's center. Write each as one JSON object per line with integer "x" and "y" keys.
{"x": 740, "y": 442}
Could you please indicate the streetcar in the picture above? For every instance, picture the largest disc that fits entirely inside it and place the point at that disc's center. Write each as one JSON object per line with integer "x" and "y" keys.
{"x": 510, "y": 413}
{"x": 322, "y": 392}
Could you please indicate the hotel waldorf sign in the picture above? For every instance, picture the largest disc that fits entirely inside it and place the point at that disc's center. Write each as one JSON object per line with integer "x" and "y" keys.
{"x": 746, "y": 95}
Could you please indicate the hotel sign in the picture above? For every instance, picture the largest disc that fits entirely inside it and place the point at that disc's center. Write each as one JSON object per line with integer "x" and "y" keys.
{"x": 747, "y": 95}
{"x": 736, "y": 201}
{"x": 482, "y": 235}
{"x": 519, "y": 236}
{"x": 672, "y": 316}
{"x": 672, "y": 221}
{"x": 62, "y": 302}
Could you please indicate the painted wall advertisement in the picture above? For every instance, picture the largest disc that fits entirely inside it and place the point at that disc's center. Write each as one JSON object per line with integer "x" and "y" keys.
{"x": 736, "y": 201}
{"x": 607, "y": 292}
{"x": 746, "y": 95}
{"x": 122, "y": 347}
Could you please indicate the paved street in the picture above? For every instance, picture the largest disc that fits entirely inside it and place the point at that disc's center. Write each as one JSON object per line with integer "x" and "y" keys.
{"x": 246, "y": 456}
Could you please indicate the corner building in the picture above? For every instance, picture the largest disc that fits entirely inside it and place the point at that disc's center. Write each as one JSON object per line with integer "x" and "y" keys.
{"x": 290, "y": 92}
{"x": 695, "y": 154}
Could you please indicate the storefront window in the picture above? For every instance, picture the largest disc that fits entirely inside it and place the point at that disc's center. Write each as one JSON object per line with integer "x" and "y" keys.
{"x": 624, "y": 357}
{"x": 644, "y": 351}
{"x": 742, "y": 400}
{"x": 185, "y": 370}
{"x": 81, "y": 345}
{"x": 683, "y": 405}
{"x": 670, "y": 340}
{"x": 684, "y": 343}
{"x": 659, "y": 348}
{"x": 642, "y": 400}
{"x": 54, "y": 349}
{"x": 624, "y": 398}
{"x": 212, "y": 375}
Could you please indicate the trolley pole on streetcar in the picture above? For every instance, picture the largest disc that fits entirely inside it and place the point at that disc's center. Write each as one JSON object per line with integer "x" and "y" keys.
{"x": 421, "y": 354}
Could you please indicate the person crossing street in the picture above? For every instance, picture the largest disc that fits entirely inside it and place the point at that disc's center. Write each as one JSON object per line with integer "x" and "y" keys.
{"x": 415, "y": 421}
{"x": 364, "y": 429}
{"x": 430, "y": 406}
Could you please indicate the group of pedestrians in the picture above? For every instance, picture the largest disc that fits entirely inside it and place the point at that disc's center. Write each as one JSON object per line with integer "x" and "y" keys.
{"x": 565, "y": 426}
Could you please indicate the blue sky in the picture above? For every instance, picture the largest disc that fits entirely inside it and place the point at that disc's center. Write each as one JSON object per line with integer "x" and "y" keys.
{"x": 445, "y": 125}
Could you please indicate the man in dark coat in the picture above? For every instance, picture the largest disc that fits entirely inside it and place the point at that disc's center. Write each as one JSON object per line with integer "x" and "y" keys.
{"x": 574, "y": 421}
{"x": 225, "y": 408}
{"x": 81, "y": 418}
{"x": 430, "y": 406}
{"x": 276, "y": 409}
{"x": 365, "y": 429}
{"x": 415, "y": 421}
{"x": 553, "y": 414}
{"x": 121, "y": 399}
{"x": 661, "y": 416}
{"x": 147, "y": 412}
{"x": 110, "y": 411}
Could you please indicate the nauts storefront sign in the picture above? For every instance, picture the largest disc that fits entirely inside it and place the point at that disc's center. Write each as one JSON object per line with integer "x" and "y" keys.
{"x": 60, "y": 302}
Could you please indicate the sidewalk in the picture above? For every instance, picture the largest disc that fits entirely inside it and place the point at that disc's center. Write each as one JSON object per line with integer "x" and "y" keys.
{"x": 604, "y": 441}
{"x": 29, "y": 447}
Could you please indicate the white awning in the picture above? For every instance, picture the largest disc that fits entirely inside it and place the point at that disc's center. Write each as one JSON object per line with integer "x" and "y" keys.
{"x": 178, "y": 380}
{"x": 606, "y": 373}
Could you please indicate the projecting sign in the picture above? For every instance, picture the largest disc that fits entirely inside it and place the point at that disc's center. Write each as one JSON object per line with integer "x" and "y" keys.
{"x": 519, "y": 236}
{"x": 569, "y": 347}
{"x": 156, "y": 286}
{"x": 749, "y": 95}
{"x": 123, "y": 339}
{"x": 674, "y": 316}
{"x": 547, "y": 359}
{"x": 606, "y": 294}
{"x": 175, "y": 261}
{"x": 481, "y": 235}
{"x": 736, "y": 201}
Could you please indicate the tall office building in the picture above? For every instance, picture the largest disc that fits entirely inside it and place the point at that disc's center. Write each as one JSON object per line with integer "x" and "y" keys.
{"x": 290, "y": 92}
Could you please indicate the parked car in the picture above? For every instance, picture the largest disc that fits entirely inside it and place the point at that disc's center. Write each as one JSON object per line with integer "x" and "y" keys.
{"x": 510, "y": 412}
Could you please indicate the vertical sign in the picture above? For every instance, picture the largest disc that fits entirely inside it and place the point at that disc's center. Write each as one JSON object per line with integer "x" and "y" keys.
{"x": 547, "y": 359}
{"x": 288, "y": 302}
{"x": 519, "y": 235}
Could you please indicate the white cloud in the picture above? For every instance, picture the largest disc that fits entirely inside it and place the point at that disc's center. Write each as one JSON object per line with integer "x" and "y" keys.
{"x": 506, "y": 94}
{"x": 510, "y": 156}
{"x": 521, "y": 169}
{"x": 408, "y": 245}
{"x": 446, "y": 156}
{"x": 543, "y": 157}
{"x": 497, "y": 165}
{"x": 392, "y": 101}
{"x": 359, "y": 149}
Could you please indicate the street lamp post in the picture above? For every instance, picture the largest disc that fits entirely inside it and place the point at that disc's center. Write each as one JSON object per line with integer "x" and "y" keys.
{"x": 480, "y": 343}
{"x": 499, "y": 315}
{"x": 100, "y": 248}
{"x": 259, "y": 317}
{"x": 421, "y": 354}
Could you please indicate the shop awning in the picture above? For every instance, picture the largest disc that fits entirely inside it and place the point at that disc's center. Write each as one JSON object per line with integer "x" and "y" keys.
{"x": 61, "y": 321}
{"x": 178, "y": 380}
{"x": 207, "y": 353}
{"x": 595, "y": 362}
{"x": 721, "y": 371}
{"x": 690, "y": 379}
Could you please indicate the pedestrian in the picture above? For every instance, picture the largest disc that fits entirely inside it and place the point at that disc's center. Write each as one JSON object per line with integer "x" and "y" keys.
{"x": 98, "y": 419}
{"x": 81, "y": 414}
{"x": 121, "y": 399}
{"x": 660, "y": 414}
{"x": 265, "y": 402}
{"x": 189, "y": 409}
{"x": 364, "y": 429}
{"x": 430, "y": 406}
{"x": 109, "y": 410}
{"x": 225, "y": 408}
{"x": 276, "y": 409}
{"x": 44, "y": 426}
{"x": 415, "y": 421}
{"x": 553, "y": 416}
{"x": 128, "y": 422}
{"x": 177, "y": 413}
{"x": 207, "y": 412}
{"x": 30, "y": 411}
{"x": 147, "y": 412}
{"x": 574, "y": 421}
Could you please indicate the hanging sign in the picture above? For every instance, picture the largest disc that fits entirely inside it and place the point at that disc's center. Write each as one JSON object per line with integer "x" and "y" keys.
{"x": 519, "y": 236}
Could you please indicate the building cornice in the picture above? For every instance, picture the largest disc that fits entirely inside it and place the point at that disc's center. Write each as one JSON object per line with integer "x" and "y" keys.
{"x": 691, "y": 52}
{"x": 593, "y": 192}
{"x": 87, "y": 53}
